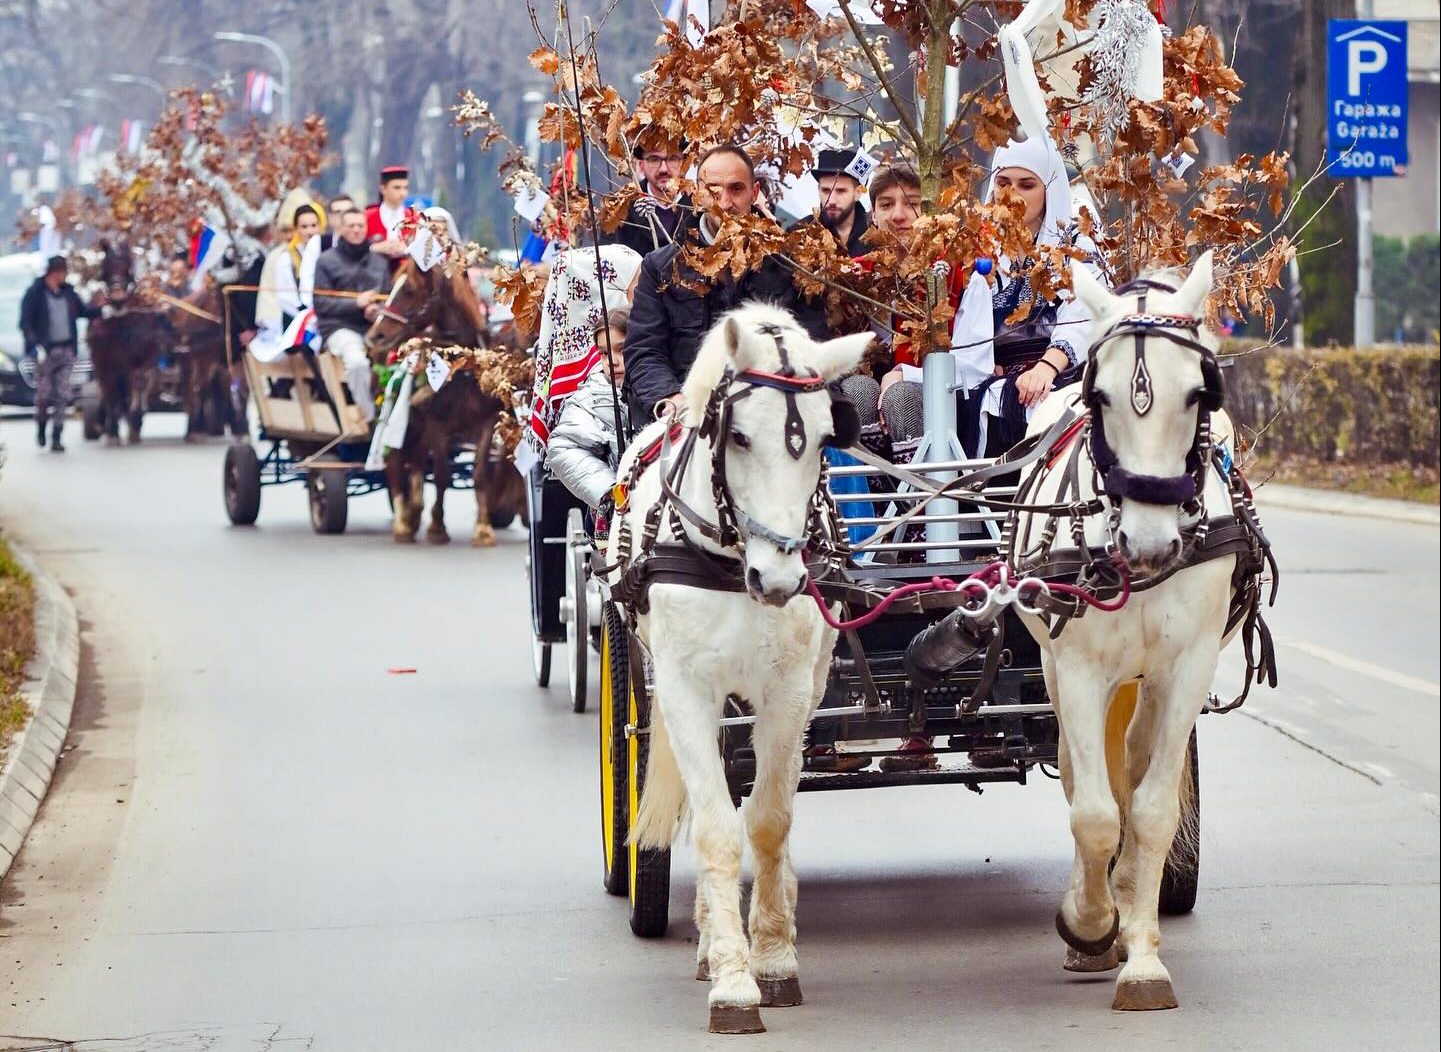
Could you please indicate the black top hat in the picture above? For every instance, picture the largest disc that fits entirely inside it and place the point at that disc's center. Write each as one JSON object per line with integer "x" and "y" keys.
{"x": 55, "y": 263}
{"x": 393, "y": 171}
{"x": 834, "y": 162}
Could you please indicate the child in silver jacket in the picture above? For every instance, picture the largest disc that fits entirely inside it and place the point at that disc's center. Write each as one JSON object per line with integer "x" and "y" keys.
{"x": 584, "y": 447}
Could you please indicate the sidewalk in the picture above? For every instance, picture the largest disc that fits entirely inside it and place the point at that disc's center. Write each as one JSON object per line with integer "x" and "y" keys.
{"x": 1328, "y": 502}
{"x": 50, "y": 692}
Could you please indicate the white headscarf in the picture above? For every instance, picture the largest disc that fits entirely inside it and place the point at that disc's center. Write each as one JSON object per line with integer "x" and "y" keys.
{"x": 436, "y": 212}
{"x": 1039, "y": 156}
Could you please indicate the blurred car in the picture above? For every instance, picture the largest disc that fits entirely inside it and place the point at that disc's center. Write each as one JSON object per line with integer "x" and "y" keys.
{"x": 17, "y": 373}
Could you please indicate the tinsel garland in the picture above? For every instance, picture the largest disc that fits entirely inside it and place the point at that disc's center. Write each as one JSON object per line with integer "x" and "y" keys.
{"x": 1115, "y": 55}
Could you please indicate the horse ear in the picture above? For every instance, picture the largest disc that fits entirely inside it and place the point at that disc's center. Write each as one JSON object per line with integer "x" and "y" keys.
{"x": 1088, "y": 290}
{"x": 1197, "y": 286}
{"x": 835, "y": 358}
{"x": 736, "y": 348}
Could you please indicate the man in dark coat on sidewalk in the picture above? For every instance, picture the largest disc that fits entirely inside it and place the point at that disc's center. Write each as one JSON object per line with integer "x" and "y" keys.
{"x": 668, "y": 320}
{"x": 48, "y": 316}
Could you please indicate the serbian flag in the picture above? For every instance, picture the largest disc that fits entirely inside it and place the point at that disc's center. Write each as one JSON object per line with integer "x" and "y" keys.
{"x": 302, "y": 332}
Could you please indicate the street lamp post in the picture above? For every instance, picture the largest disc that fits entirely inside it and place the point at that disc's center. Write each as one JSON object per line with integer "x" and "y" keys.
{"x": 145, "y": 82}
{"x": 280, "y": 55}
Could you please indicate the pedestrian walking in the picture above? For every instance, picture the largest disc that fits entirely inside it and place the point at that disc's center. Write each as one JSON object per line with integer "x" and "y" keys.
{"x": 48, "y": 321}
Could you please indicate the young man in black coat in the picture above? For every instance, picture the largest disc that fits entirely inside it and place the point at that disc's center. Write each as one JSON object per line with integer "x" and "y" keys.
{"x": 841, "y": 210}
{"x": 668, "y": 320}
{"x": 48, "y": 316}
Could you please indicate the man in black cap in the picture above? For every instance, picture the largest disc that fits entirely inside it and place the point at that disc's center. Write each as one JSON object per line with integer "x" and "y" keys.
{"x": 384, "y": 219}
{"x": 48, "y": 316}
{"x": 841, "y": 210}
{"x": 653, "y": 219}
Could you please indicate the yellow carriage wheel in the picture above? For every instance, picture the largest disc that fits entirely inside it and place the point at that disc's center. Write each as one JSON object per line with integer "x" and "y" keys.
{"x": 614, "y": 708}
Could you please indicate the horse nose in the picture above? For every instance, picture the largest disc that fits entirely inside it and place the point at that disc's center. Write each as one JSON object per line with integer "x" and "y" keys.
{"x": 772, "y": 593}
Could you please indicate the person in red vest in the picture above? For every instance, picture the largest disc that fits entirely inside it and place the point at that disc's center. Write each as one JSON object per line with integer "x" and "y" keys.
{"x": 384, "y": 219}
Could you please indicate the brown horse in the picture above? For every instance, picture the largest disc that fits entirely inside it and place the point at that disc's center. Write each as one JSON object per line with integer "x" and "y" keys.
{"x": 205, "y": 378}
{"x": 442, "y": 303}
{"x": 125, "y": 347}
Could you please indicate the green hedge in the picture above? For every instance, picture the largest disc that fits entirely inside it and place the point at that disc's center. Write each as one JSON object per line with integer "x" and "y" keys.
{"x": 1377, "y": 406}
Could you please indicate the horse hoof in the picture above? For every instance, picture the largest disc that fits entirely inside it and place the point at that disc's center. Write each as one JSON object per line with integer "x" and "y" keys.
{"x": 404, "y": 538}
{"x": 702, "y": 971}
{"x": 437, "y": 537}
{"x": 1089, "y": 947}
{"x": 1145, "y": 995}
{"x": 112, "y": 441}
{"x": 483, "y": 540}
{"x": 780, "y": 993}
{"x": 1076, "y": 961}
{"x": 736, "y": 1019}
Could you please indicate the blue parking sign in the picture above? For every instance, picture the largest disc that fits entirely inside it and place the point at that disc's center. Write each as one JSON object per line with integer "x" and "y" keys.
{"x": 1366, "y": 98}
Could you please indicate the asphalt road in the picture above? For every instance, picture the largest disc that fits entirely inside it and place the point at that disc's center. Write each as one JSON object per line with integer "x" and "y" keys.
{"x": 261, "y": 839}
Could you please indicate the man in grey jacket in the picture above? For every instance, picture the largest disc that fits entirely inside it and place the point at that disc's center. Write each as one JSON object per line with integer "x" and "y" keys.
{"x": 349, "y": 266}
{"x": 584, "y": 448}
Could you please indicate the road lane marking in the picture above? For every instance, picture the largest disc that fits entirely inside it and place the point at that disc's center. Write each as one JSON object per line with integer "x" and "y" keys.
{"x": 1365, "y": 668}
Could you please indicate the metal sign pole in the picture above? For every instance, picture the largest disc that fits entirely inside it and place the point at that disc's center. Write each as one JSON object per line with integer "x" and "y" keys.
{"x": 1364, "y": 318}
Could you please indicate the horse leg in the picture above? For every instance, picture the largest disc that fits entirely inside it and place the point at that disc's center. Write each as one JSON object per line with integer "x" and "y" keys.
{"x": 440, "y": 470}
{"x": 1155, "y": 811}
{"x": 690, "y": 723}
{"x": 189, "y": 394}
{"x": 112, "y": 396}
{"x": 484, "y": 534}
{"x": 768, "y": 812}
{"x": 140, "y": 382}
{"x": 1087, "y": 920}
{"x": 395, "y": 482}
{"x": 702, "y": 942}
{"x": 414, "y": 494}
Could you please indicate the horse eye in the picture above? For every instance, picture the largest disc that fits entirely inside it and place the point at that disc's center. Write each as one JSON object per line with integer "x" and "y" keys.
{"x": 740, "y": 440}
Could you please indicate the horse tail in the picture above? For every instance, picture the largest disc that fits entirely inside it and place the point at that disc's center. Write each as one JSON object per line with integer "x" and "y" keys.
{"x": 663, "y": 800}
{"x": 1185, "y": 854}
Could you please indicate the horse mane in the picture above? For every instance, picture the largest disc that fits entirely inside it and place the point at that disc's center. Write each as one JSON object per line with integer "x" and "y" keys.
{"x": 713, "y": 356}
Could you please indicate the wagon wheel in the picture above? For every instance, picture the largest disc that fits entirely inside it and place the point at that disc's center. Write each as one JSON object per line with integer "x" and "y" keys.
{"x": 1182, "y": 873}
{"x": 648, "y": 879}
{"x": 539, "y": 649}
{"x": 614, "y": 707}
{"x": 242, "y": 484}
{"x": 577, "y": 613}
{"x": 329, "y": 496}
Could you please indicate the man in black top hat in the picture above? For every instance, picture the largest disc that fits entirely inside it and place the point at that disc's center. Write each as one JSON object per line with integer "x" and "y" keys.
{"x": 653, "y": 219}
{"x": 48, "y": 316}
{"x": 841, "y": 210}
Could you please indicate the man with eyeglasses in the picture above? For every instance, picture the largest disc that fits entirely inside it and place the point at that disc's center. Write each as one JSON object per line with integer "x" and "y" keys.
{"x": 654, "y": 218}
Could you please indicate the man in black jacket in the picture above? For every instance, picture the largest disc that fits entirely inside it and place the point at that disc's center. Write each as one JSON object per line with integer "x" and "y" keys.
{"x": 668, "y": 320}
{"x": 48, "y": 316}
{"x": 841, "y": 210}
{"x": 351, "y": 267}
{"x": 654, "y": 219}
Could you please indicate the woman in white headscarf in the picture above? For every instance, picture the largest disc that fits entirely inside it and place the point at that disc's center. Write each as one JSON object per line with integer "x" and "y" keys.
{"x": 1046, "y": 348}
{"x": 571, "y": 315}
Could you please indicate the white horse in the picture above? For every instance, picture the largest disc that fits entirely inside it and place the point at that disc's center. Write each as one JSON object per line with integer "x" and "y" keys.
{"x": 1147, "y": 387}
{"x": 767, "y": 644}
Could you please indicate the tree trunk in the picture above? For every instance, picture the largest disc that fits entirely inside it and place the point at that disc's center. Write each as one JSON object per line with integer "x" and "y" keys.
{"x": 1328, "y": 276}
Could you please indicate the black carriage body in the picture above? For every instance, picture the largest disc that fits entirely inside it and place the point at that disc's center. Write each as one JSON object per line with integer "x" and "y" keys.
{"x": 550, "y": 507}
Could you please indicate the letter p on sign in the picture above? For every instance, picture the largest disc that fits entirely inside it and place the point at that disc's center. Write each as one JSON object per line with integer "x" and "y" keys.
{"x": 1363, "y": 57}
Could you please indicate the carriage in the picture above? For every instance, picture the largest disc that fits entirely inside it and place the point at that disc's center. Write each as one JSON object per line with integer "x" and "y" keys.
{"x": 564, "y": 599}
{"x": 312, "y": 432}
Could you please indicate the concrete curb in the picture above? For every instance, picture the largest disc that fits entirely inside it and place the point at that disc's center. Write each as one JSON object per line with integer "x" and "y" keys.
{"x": 50, "y": 691}
{"x": 1298, "y": 498}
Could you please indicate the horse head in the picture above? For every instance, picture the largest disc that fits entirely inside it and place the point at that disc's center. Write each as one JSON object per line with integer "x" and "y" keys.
{"x": 439, "y": 298}
{"x": 117, "y": 270}
{"x": 1151, "y": 385}
{"x": 758, "y": 389}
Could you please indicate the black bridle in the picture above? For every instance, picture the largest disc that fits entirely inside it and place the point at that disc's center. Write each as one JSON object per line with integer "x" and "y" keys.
{"x": 1184, "y": 491}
